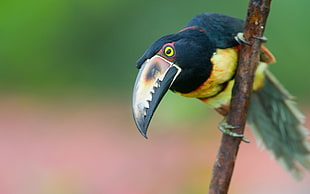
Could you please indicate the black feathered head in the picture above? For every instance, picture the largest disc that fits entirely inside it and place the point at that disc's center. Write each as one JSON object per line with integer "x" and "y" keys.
{"x": 179, "y": 61}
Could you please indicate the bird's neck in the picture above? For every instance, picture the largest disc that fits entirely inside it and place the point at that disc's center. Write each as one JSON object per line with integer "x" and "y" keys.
{"x": 224, "y": 63}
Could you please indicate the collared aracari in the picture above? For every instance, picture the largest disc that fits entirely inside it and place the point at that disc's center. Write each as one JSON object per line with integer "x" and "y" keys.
{"x": 200, "y": 61}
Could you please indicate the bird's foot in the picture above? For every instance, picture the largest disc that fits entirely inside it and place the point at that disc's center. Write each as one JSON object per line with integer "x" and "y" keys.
{"x": 240, "y": 39}
{"x": 261, "y": 38}
{"x": 226, "y": 129}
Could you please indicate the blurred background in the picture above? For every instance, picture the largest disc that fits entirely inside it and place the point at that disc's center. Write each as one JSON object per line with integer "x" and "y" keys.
{"x": 67, "y": 70}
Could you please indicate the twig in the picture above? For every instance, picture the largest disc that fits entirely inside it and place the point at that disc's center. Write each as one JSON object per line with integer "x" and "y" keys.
{"x": 258, "y": 11}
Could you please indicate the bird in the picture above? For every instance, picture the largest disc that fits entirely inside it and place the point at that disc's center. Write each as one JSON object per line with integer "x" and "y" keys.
{"x": 200, "y": 61}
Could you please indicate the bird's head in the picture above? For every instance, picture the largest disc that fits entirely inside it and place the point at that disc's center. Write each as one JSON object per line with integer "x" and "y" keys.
{"x": 180, "y": 62}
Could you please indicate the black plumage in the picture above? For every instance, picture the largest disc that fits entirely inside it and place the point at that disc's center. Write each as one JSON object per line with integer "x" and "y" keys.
{"x": 204, "y": 63}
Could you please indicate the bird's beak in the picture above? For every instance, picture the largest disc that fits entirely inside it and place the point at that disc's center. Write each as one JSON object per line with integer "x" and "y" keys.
{"x": 153, "y": 81}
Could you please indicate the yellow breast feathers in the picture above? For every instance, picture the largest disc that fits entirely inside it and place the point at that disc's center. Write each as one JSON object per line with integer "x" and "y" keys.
{"x": 216, "y": 90}
{"x": 224, "y": 66}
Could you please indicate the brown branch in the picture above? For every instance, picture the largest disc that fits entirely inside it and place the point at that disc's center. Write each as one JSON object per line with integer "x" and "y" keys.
{"x": 258, "y": 11}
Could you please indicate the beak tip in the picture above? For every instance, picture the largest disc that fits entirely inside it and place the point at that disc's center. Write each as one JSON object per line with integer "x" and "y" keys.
{"x": 143, "y": 132}
{"x": 145, "y": 136}
{"x": 141, "y": 125}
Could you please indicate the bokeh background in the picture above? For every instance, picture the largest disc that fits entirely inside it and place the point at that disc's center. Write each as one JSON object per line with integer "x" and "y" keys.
{"x": 67, "y": 70}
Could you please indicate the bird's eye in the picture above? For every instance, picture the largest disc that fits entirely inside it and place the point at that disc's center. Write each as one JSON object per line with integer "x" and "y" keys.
{"x": 169, "y": 51}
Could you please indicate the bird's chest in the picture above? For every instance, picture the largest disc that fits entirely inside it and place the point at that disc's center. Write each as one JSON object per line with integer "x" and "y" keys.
{"x": 224, "y": 66}
{"x": 221, "y": 100}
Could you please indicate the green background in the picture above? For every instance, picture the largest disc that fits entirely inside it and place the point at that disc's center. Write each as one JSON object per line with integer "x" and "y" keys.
{"x": 61, "y": 47}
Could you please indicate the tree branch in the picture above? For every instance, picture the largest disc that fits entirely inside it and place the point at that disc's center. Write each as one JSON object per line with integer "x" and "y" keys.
{"x": 258, "y": 11}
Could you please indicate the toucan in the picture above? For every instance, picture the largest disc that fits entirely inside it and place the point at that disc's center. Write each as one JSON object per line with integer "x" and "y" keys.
{"x": 200, "y": 61}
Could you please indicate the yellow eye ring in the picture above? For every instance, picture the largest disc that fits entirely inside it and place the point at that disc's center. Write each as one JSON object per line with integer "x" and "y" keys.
{"x": 169, "y": 51}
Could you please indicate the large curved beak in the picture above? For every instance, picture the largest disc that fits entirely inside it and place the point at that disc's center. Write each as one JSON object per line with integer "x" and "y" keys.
{"x": 153, "y": 81}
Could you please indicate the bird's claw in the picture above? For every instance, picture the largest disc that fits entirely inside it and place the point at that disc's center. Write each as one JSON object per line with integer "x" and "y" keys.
{"x": 240, "y": 39}
{"x": 226, "y": 129}
{"x": 261, "y": 38}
